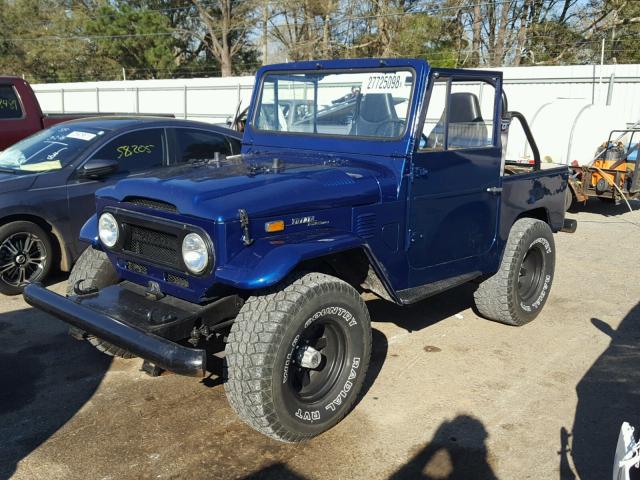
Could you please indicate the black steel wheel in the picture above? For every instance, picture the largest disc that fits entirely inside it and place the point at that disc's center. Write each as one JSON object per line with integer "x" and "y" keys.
{"x": 520, "y": 288}
{"x": 317, "y": 361}
{"x": 297, "y": 356}
{"x": 531, "y": 275}
{"x": 25, "y": 256}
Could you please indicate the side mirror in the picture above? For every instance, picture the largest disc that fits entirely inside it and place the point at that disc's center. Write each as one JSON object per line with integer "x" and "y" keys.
{"x": 98, "y": 168}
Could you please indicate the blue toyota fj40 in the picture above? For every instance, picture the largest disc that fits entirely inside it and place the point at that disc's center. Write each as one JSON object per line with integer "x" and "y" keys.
{"x": 390, "y": 178}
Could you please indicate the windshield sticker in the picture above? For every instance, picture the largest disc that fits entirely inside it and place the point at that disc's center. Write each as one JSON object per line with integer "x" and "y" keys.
{"x": 86, "y": 136}
{"x": 382, "y": 83}
{"x": 7, "y": 104}
{"x": 126, "y": 151}
{"x": 41, "y": 166}
{"x": 55, "y": 154}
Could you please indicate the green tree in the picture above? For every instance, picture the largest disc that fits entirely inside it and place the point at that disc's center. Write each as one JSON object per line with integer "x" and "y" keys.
{"x": 621, "y": 38}
{"x": 428, "y": 37}
{"x": 136, "y": 39}
{"x": 35, "y": 41}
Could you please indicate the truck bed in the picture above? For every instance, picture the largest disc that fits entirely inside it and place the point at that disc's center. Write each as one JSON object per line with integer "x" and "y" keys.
{"x": 526, "y": 189}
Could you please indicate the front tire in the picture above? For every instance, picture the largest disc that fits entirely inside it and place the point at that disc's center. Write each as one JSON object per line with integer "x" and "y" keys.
{"x": 297, "y": 356}
{"x": 516, "y": 294}
{"x": 94, "y": 270}
{"x": 25, "y": 256}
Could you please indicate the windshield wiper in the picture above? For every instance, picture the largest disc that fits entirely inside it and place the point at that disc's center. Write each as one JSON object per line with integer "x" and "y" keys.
{"x": 8, "y": 170}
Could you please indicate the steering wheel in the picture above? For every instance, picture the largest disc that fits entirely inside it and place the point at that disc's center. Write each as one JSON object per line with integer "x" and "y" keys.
{"x": 385, "y": 124}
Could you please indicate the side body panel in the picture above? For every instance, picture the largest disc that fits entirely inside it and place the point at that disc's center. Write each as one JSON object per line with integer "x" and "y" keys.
{"x": 541, "y": 192}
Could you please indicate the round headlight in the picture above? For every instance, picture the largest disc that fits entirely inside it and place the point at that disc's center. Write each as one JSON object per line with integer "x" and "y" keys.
{"x": 108, "y": 230}
{"x": 195, "y": 253}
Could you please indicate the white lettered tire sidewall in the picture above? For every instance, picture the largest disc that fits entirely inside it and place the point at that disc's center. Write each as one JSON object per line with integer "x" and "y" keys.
{"x": 264, "y": 333}
{"x": 538, "y": 237}
{"x": 499, "y": 296}
{"x": 309, "y": 419}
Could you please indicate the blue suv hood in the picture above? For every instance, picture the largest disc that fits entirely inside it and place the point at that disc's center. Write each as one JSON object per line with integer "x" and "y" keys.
{"x": 262, "y": 184}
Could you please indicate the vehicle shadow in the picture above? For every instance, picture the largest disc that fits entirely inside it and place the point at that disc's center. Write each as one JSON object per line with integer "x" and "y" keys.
{"x": 608, "y": 394}
{"x": 604, "y": 208}
{"x": 45, "y": 376}
{"x": 426, "y": 312}
{"x": 457, "y": 451}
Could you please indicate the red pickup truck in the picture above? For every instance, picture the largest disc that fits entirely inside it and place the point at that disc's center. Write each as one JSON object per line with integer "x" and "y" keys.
{"x": 20, "y": 113}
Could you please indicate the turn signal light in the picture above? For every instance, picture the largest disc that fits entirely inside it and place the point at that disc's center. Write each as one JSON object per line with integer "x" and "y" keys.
{"x": 275, "y": 226}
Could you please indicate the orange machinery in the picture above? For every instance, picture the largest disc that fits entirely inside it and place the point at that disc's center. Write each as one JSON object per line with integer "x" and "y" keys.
{"x": 613, "y": 173}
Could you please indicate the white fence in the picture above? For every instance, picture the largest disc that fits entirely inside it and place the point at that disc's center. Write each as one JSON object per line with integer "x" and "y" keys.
{"x": 215, "y": 99}
{"x": 529, "y": 90}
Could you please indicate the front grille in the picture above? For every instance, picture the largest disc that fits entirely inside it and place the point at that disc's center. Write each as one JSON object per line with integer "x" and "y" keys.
{"x": 159, "y": 247}
{"x": 176, "y": 280}
{"x": 151, "y": 203}
{"x": 136, "y": 268}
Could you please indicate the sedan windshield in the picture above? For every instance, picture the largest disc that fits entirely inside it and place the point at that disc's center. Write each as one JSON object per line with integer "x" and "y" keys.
{"x": 50, "y": 149}
{"x": 366, "y": 104}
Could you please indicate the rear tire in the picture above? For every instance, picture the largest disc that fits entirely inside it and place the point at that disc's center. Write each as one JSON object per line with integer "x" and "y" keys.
{"x": 26, "y": 256}
{"x": 516, "y": 294}
{"x": 94, "y": 270}
{"x": 271, "y": 383}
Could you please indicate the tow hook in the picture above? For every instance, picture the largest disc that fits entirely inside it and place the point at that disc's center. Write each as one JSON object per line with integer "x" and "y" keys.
{"x": 81, "y": 292}
{"x": 153, "y": 291}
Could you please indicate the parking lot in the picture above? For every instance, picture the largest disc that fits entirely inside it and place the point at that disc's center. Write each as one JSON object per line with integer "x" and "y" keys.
{"x": 449, "y": 395}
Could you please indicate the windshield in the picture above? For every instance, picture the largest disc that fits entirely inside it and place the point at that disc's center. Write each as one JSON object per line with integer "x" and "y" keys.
{"x": 367, "y": 104}
{"x": 50, "y": 149}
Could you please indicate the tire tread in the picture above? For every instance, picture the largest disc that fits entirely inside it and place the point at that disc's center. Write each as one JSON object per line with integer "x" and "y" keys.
{"x": 493, "y": 297}
{"x": 252, "y": 345}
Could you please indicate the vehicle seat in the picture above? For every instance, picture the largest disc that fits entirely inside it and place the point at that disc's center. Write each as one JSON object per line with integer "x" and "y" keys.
{"x": 376, "y": 110}
{"x": 466, "y": 125}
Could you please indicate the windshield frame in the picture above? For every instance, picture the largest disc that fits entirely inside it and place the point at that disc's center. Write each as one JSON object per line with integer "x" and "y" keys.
{"x": 334, "y": 71}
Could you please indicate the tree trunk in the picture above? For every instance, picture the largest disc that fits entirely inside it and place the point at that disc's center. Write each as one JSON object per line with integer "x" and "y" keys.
{"x": 226, "y": 65}
{"x": 265, "y": 32}
{"x": 477, "y": 32}
{"x": 326, "y": 32}
{"x": 522, "y": 33}
{"x": 499, "y": 47}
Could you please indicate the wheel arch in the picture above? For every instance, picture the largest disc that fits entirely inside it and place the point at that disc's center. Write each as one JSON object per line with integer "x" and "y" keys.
{"x": 540, "y": 213}
{"x": 344, "y": 256}
{"x": 61, "y": 253}
{"x": 357, "y": 266}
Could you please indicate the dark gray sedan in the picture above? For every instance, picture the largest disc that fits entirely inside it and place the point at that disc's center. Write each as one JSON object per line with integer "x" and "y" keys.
{"x": 48, "y": 181}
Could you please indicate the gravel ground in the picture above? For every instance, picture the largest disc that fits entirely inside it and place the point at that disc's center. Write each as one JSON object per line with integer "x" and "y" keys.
{"x": 449, "y": 395}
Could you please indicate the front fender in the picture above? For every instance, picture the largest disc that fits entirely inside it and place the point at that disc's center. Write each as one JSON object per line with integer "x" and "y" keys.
{"x": 269, "y": 260}
{"x": 89, "y": 232}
